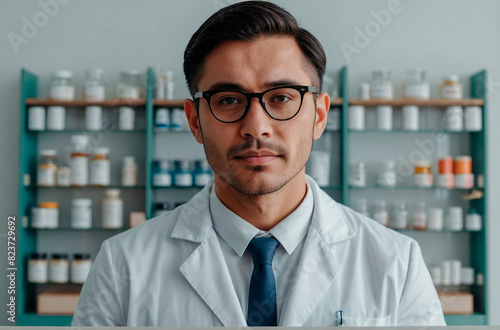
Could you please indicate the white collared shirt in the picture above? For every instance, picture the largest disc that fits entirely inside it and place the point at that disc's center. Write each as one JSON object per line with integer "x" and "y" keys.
{"x": 235, "y": 233}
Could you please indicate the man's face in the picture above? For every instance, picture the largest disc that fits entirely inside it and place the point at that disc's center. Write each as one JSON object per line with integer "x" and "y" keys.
{"x": 258, "y": 154}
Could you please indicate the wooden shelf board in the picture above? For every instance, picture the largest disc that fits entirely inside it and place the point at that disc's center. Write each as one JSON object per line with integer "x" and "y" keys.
{"x": 83, "y": 103}
{"x": 169, "y": 103}
{"x": 420, "y": 103}
{"x": 336, "y": 101}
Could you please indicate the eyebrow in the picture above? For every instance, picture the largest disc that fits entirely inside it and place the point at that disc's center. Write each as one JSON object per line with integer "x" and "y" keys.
{"x": 229, "y": 85}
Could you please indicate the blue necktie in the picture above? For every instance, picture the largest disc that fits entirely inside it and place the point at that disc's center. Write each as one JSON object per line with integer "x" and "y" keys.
{"x": 262, "y": 295}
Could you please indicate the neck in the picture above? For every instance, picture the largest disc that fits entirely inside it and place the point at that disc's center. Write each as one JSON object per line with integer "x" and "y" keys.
{"x": 267, "y": 210}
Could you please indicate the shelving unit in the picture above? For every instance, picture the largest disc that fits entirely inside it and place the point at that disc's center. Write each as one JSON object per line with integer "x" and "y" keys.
{"x": 146, "y": 194}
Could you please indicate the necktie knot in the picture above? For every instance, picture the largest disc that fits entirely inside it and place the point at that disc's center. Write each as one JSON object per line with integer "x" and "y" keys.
{"x": 262, "y": 250}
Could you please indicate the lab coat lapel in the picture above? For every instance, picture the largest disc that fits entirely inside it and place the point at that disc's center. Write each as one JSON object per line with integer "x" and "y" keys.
{"x": 318, "y": 266}
{"x": 205, "y": 269}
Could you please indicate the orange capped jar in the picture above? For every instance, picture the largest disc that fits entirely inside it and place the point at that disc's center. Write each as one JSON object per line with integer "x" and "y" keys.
{"x": 79, "y": 161}
{"x": 423, "y": 174}
{"x": 463, "y": 172}
{"x": 445, "y": 179}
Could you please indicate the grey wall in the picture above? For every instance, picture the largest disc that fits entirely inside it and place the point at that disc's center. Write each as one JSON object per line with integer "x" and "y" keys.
{"x": 449, "y": 36}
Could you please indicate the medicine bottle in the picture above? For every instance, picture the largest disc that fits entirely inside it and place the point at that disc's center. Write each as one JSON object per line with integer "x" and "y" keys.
{"x": 423, "y": 174}
{"x": 380, "y": 213}
{"x": 381, "y": 85}
{"x": 112, "y": 209}
{"x": 399, "y": 219}
{"x": 47, "y": 168}
{"x": 436, "y": 219}
{"x": 415, "y": 86}
{"x": 357, "y": 177}
{"x": 419, "y": 217}
{"x": 129, "y": 172}
{"x": 410, "y": 118}
{"x": 80, "y": 267}
{"x": 100, "y": 168}
{"x": 162, "y": 119}
{"x": 126, "y": 118}
{"x": 129, "y": 86}
{"x": 56, "y": 118}
{"x": 38, "y": 217}
{"x": 455, "y": 219}
{"x": 178, "y": 120}
{"x": 36, "y": 119}
{"x": 464, "y": 178}
{"x": 451, "y": 88}
{"x": 202, "y": 173}
{"x": 95, "y": 87}
{"x": 473, "y": 119}
{"x": 81, "y": 213}
{"x": 387, "y": 175}
{"x": 182, "y": 173}
{"x": 384, "y": 118}
{"x": 454, "y": 118}
{"x": 79, "y": 161}
{"x": 64, "y": 176}
{"x": 50, "y": 213}
{"x": 356, "y": 117}
{"x": 473, "y": 221}
{"x": 446, "y": 179}
{"x": 58, "y": 268}
{"x": 61, "y": 86}
{"x": 161, "y": 86}
{"x": 162, "y": 176}
{"x": 93, "y": 118}
{"x": 38, "y": 268}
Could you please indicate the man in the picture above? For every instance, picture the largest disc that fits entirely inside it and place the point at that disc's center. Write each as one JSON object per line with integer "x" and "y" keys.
{"x": 262, "y": 245}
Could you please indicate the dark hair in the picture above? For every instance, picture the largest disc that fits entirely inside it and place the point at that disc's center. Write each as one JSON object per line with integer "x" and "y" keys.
{"x": 245, "y": 21}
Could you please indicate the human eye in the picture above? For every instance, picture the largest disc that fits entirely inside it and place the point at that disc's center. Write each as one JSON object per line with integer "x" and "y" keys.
{"x": 229, "y": 99}
{"x": 281, "y": 97}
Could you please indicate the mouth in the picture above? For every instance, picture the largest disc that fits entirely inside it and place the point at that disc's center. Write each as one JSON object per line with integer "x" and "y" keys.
{"x": 258, "y": 157}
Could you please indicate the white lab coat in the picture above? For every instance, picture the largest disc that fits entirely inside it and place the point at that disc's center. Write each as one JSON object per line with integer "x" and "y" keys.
{"x": 170, "y": 271}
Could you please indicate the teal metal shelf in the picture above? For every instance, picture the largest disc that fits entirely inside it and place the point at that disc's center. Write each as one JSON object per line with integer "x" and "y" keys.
{"x": 178, "y": 187}
{"x": 472, "y": 319}
{"x": 85, "y": 187}
{"x": 426, "y": 131}
{"x": 32, "y": 319}
{"x": 78, "y": 229}
{"x": 85, "y": 131}
{"x": 410, "y": 188}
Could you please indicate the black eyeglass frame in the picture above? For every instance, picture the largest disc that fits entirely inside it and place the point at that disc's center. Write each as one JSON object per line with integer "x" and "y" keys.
{"x": 207, "y": 95}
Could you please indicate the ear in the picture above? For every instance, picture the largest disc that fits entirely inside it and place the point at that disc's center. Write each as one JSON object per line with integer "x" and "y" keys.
{"x": 193, "y": 119}
{"x": 322, "y": 108}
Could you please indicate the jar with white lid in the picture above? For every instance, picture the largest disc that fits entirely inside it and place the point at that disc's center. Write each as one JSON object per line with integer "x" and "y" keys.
{"x": 56, "y": 118}
{"x": 126, "y": 118}
{"x": 455, "y": 219}
{"x": 399, "y": 219}
{"x": 112, "y": 209}
{"x": 93, "y": 118}
{"x": 129, "y": 172}
{"x": 36, "y": 119}
{"x": 381, "y": 86}
{"x": 95, "y": 87}
{"x": 357, "y": 175}
{"x": 100, "y": 168}
{"x": 129, "y": 86}
{"x": 59, "y": 268}
{"x": 451, "y": 88}
{"x": 38, "y": 268}
{"x": 80, "y": 267}
{"x": 162, "y": 119}
{"x": 380, "y": 213}
{"x": 162, "y": 176}
{"x": 473, "y": 119}
{"x": 454, "y": 118}
{"x": 47, "y": 168}
{"x": 178, "y": 121}
{"x": 81, "y": 213}
{"x": 419, "y": 217}
{"x": 473, "y": 221}
{"x": 416, "y": 86}
{"x": 182, "y": 173}
{"x": 387, "y": 175}
{"x": 61, "y": 86}
{"x": 436, "y": 219}
{"x": 356, "y": 117}
{"x": 410, "y": 118}
{"x": 79, "y": 160}
{"x": 384, "y": 118}
{"x": 64, "y": 176}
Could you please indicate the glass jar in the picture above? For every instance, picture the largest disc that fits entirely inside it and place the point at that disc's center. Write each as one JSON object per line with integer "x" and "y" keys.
{"x": 357, "y": 177}
{"x": 38, "y": 268}
{"x": 100, "y": 168}
{"x": 202, "y": 172}
{"x": 61, "y": 86}
{"x": 399, "y": 219}
{"x": 182, "y": 173}
{"x": 380, "y": 213}
{"x": 129, "y": 86}
{"x": 451, "y": 88}
{"x": 50, "y": 214}
{"x": 381, "y": 85}
{"x": 415, "y": 86}
{"x": 95, "y": 87}
{"x": 162, "y": 176}
{"x": 112, "y": 209}
{"x": 423, "y": 174}
{"x": 47, "y": 168}
{"x": 59, "y": 268}
{"x": 419, "y": 217}
{"x": 387, "y": 175}
{"x": 80, "y": 267}
{"x": 79, "y": 161}
{"x": 81, "y": 213}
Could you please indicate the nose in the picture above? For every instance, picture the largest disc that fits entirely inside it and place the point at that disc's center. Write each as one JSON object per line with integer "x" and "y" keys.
{"x": 256, "y": 122}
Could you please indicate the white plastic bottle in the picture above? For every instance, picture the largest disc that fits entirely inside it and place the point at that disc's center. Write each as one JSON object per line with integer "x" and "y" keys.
{"x": 129, "y": 172}
{"x": 100, "y": 168}
{"x": 112, "y": 209}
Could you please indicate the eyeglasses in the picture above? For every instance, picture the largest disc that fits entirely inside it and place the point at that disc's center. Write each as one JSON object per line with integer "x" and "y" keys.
{"x": 280, "y": 103}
